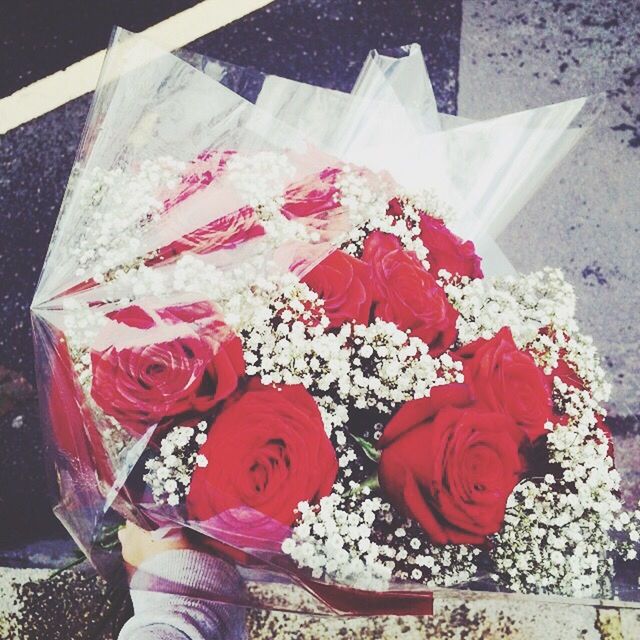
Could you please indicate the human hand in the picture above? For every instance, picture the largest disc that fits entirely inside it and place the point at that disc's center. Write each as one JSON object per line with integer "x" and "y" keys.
{"x": 139, "y": 545}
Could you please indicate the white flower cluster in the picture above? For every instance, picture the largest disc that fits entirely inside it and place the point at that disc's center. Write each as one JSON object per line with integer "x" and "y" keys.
{"x": 389, "y": 367}
{"x": 415, "y": 558}
{"x": 334, "y": 541}
{"x": 359, "y": 540}
{"x": 578, "y": 351}
{"x": 627, "y": 527}
{"x": 169, "y": 473}
{"x": 375, "y": 366}
{"x": 259, "y": 177}
{"x": 525, "y": 304}
{"x": 243, "y": 295}
{"x": 261, "y": 180}
{"x": 82, "y": 323}
{"x": 334, "y": 415}
{"x": 120, "y": 204}
{"x": 364, "y": 196}
{"x": 428, "y": 201}
{"x": 557, "y": 532}
{"x": 539, "y": 308}
{"x": 292, "y": 345}
{"x": 366, "y": 200}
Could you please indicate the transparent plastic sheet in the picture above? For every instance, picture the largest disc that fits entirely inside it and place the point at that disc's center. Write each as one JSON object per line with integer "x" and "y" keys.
{"x": 392, "y": 107}
{"x": 488, "y": 172}
{"x": 116, "y": 280}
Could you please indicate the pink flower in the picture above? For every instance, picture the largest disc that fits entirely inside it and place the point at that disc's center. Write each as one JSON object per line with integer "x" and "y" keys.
{"x": 314, "y": 196}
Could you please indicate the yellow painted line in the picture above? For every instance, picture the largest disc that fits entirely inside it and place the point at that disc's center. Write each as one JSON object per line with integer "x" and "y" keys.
{"x": 79, "y": 78}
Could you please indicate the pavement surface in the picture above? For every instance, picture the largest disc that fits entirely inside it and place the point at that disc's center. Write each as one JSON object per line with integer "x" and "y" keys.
{"x": 39, "y": 38}
{"x": 519, "y": 54}
{"x": 485, "y": 57}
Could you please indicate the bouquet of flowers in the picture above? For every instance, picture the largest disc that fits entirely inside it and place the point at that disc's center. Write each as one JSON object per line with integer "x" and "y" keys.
{"x": 277, "y": 315}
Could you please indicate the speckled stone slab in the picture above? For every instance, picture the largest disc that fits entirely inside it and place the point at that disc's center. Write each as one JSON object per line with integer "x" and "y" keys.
{"x": 77, "y": 605}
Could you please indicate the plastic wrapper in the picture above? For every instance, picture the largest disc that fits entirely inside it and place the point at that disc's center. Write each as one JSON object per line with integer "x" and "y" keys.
{"x": 277, "y": 318}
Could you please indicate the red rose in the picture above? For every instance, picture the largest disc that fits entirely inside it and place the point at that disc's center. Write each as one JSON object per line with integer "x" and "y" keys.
{"x": 163, "y": 363}
{"x": 343, "y": 282}
{"x": 406, "y": 294}
{"x": 450, "y": 465}
{"x": 601, "y": 424}
{"x": 267, "y": 451}
{"x": 507, "y": 380}
{"x": 395, "y": 209}
{"x": 566, "y": 373}
{"x": 314, "y": 196}
{"x": 447, "y": 250}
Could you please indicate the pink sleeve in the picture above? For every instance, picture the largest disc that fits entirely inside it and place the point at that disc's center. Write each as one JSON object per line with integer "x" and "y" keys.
{"x": 179, "y": 595}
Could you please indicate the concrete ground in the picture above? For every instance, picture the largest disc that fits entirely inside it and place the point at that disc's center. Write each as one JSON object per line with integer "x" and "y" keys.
{"x": 485, "y": 57}
{"x": 78, "y": 606}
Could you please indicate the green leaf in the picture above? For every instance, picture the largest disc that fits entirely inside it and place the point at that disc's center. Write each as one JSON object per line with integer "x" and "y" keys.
{"x": 369, "y": 449}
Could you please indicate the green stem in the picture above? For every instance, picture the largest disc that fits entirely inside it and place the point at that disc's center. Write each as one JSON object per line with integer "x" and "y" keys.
{"x": 368, "y": 448}
{"x": 79, "y": 559}
{"x": 107, "y": 541}
{"x": 372, "y": 482}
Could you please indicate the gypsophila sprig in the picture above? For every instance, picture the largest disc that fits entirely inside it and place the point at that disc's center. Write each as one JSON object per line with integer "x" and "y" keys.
{"x": 169, "y": 473}
{"x": 120, "y": 205}
{"x": 333, "y": 540}
{"x": 557, "y": 533}
{"x": 539, "y": 309}
{"x": 416, "y": 559}
{"x": 627, "y": 528}
{"x": 389, "y": 366}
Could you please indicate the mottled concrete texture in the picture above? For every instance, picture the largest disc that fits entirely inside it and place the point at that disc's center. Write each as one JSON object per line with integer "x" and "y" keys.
{"x": 78, "y": 606}
{"x": 518, "y": 54}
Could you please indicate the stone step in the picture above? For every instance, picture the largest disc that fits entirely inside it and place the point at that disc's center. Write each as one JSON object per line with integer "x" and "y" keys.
{"x": 79, "y": 605}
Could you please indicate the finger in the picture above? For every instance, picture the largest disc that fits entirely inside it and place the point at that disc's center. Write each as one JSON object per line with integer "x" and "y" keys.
{"x": 123, "y": 535}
